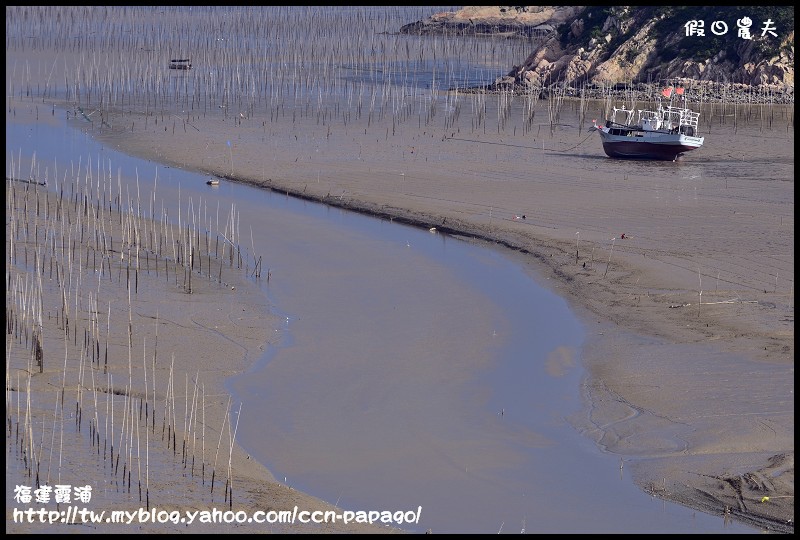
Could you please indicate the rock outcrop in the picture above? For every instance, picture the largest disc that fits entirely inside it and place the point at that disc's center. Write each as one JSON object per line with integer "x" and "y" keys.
{"x": 512, "y": 21}
{"x": 604, "y": 46}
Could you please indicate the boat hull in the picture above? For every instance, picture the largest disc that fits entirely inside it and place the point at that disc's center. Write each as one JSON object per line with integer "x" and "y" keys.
{"x": 645, "y": 150}
{"x": 649, "y": 145}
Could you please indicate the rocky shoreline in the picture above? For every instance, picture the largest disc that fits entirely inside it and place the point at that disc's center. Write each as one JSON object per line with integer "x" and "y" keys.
{"x": 627, "y": 52}
{"x": 695, "y": 91}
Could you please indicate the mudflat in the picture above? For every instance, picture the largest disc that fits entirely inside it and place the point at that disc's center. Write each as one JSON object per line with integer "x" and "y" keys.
{"x": 686, "y": 269}
{"x": 130, "y": 397}
{"x": 691, "y": 356}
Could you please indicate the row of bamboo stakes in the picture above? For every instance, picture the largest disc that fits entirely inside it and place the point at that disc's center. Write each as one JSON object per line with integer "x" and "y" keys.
{"x": 349, "y": 64}
{"x": 70, "y": 249}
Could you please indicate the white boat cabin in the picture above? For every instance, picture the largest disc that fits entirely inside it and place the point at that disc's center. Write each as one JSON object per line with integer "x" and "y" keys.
{"x": 667, "y": 119}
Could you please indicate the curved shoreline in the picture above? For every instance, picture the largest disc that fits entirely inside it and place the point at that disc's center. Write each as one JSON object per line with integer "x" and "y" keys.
{"x": 547, "y": 246}
{"x": 550, "y": 252}
{"x": 691, "y": 360}
{"x": 702, "y": 498}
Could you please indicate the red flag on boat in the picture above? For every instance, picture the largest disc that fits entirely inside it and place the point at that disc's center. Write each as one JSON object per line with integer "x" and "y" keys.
{"x": 667, "y": 92}
{"x": 679, "y": 91}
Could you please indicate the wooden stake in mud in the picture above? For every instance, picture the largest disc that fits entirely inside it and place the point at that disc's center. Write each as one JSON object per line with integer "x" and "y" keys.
{"x": 219, "y": 443}
{"x": 204, "y": 436}
{"x": 700, "y": 300}
{"x": 609, "y": 255}
{"x": 230, "y": 457}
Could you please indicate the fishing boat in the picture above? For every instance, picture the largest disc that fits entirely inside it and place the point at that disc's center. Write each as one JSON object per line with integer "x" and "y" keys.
{"x": 212, "y": 181}
{"x": 180, "y": 63}
{"x": 665, "y": 133}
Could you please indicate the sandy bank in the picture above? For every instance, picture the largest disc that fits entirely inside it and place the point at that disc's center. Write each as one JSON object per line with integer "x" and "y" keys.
{"x": 707, "y": 225}
{"x": 129, "y": 358}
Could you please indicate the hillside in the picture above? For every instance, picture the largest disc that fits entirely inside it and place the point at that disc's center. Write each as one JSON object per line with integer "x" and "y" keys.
{"x": 601, "y": 46}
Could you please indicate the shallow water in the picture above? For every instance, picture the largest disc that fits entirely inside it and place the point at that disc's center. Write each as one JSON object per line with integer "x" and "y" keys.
{"x": 415, "y": 369}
